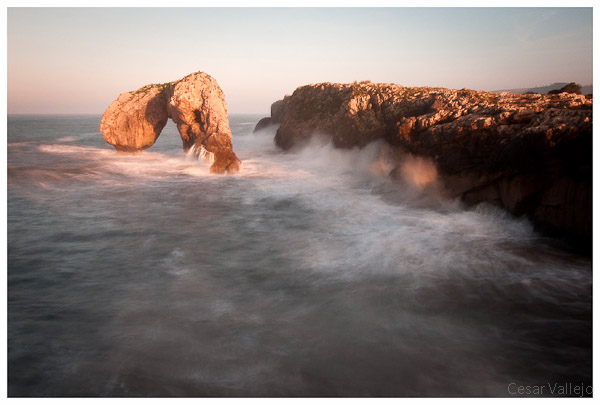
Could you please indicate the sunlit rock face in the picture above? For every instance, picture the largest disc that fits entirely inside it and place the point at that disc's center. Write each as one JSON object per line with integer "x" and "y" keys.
{"x": 529, "y": 153}
{"x": 195, "y": 103}
{"x": 135, "y": 119}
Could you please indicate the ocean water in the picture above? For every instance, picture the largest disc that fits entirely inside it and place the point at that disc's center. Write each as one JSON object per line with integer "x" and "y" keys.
{"x": 309, "y": 273}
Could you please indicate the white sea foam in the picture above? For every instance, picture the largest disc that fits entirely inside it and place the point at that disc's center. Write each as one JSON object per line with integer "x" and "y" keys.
{"x": 201, "y": 155}
{"x": 148, "y": 164}
{"x": 310, "y": 272}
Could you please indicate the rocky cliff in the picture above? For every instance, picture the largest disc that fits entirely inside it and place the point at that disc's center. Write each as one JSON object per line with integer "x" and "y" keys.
{"x": 195, "y": 103}
{"x": 529, "y": 153}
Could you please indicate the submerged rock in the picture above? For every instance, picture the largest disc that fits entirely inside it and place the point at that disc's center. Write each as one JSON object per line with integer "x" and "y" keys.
{"x": 529, "y": 153}
{"x": 277, "y": 112}
{"x": 195, "y": 103}
{"x": 263, "y": 123}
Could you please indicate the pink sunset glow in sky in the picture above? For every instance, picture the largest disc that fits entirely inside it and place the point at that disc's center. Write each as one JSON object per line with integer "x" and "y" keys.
{"x": 77, "y": 60}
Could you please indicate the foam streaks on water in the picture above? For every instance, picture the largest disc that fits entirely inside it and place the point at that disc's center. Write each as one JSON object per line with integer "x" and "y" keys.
{"x": 309, "y": 273}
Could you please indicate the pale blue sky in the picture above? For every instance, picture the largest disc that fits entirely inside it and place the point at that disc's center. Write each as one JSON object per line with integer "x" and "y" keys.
{"x": 63, "y": 60}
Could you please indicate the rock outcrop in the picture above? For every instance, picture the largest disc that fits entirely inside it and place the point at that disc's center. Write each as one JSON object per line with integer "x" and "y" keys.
{"x": 135, "y": 119}
{"x": 529, "y": 153}
{"x": 277, "y": 111}
{"x": 195, "y": 103}
{"x": 263, "y": 123}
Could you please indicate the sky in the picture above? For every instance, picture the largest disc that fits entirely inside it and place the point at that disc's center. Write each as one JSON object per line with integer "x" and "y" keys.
{"x": 78, "y": 60}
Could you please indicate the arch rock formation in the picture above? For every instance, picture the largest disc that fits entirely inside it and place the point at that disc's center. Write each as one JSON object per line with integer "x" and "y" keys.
{"x": 195, "y": 103}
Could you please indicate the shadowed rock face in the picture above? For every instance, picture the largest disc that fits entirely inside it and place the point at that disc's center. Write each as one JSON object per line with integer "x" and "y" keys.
{"x": 263, "y": 123}
{"x": 529, "y": 153}
{"x": 195, "y": 103}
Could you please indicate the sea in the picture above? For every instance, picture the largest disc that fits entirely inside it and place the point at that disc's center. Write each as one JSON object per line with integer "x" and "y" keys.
{"x": 311, "y": 273}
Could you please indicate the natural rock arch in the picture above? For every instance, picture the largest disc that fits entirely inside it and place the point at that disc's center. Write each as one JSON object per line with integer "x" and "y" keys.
{"x": 195, "y": 103}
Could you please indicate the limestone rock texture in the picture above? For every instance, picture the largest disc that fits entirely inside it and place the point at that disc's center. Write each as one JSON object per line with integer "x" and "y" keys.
{"x": 528, "y": 153}
{"x": 195, "y": 103}
{"x": 135, "y": 119}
